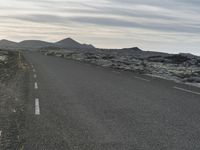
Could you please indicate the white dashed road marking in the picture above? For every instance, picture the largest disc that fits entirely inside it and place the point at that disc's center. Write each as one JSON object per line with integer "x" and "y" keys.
{"x": 0, "y": 136}
{"x": 14, "y": 110}
{"x": 37, "y": 103}
{"x": 185, "y": 90}
{"x": 143, "y": 79}
{"x": 36, "y": 85}
{"x": 37, "y": 106}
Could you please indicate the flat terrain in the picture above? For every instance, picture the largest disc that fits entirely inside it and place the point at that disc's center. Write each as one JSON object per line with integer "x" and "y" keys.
{"x": 79, "y": 106}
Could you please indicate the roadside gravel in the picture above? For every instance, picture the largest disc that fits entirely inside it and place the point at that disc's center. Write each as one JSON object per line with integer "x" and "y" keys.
{"x": 13, "y": 76}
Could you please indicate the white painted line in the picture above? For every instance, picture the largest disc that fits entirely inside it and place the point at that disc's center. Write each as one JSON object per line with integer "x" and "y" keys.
{"x": 37, "y": 107}
{"x": 185, "y": 90}
{"x": 0, "y": 136}
{"x": 14, "y": 110}
{"x": 35, "y": 76}
{"x": 143, "y": 79}
{"x": 36, "y": 85}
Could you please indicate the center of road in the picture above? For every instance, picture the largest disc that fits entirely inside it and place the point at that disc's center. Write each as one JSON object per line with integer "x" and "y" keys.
{"x": 36, "y": 85}
{"x": 37, "y": 103}
{"x": 37, "y": 106}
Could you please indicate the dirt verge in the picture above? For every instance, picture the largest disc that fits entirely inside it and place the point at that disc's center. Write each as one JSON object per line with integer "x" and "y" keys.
{"x": 13, "y": 95}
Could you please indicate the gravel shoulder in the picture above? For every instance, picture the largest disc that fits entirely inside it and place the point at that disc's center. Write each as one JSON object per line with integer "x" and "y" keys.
{"x": 13, "y": 94}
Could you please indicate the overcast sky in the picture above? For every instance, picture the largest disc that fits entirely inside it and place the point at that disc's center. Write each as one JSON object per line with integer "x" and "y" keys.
{"x": 172, "y": 26}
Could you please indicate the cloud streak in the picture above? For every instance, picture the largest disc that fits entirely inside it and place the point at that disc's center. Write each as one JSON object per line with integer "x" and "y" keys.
{"x": 92, "y": 21}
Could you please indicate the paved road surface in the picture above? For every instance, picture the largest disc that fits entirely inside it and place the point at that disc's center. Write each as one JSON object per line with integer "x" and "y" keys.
{"x": 78, "y": 106}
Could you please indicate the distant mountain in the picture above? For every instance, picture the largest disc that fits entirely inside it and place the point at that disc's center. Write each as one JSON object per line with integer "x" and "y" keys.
{"x": 8, "y": 44}
{"x": 34, "y": 44}
{"x": 88, "y": 46}
{"x": 132, "y": 49}
{"x": 67, "y": 43}
{"x": 70, "y": 43}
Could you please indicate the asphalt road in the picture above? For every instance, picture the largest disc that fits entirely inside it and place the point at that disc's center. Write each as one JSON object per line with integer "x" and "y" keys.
{"x": 78, "y": 106}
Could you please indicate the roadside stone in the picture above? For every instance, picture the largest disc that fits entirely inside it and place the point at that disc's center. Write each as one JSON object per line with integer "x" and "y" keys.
{"x": 179, "y": 67}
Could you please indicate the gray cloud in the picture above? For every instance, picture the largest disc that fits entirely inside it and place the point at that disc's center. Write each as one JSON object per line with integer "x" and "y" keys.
{"x": 40, "y": 18}
{"x": 177, "y": 19}
{"x": 131, "y": 24}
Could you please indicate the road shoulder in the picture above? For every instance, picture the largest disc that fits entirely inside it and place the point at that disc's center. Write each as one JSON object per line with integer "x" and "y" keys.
{"x": 13, "y": 95}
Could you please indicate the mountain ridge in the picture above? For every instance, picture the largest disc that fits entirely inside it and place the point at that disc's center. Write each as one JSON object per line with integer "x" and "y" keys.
{"x": 6, "y": 43}
{"x": 67, "y": 43}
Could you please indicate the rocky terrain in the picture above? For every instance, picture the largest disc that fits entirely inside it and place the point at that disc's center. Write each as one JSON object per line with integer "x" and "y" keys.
{"x": 12, "y": 95}
{"x": 180, "y": 67}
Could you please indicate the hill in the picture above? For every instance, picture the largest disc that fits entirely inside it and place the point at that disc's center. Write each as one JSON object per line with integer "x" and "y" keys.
{"x": 8, "y": 44}
{"x": 70, "y": 43}
{"x": 67, "y": 43}
{"x": 35, "y": 44}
